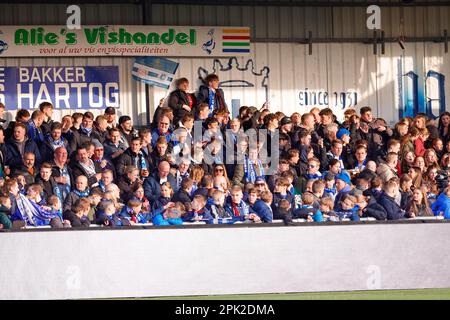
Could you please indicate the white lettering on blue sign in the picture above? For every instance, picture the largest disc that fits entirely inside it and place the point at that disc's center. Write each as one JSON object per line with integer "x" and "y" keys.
{"x": 64, "y": 87}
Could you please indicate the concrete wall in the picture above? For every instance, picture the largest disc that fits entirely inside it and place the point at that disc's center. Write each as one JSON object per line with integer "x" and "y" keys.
{"x": 231, "y": 260}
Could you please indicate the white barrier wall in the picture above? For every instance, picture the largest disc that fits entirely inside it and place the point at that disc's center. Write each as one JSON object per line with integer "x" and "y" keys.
{"x": 204, "y": 261}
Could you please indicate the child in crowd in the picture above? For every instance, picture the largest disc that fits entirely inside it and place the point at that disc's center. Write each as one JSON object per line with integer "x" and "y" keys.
{"x": 349, "y": 209}
{"x": 132, "y": 212}
{"x": 54, "y": 203}
{"x": 5, "y": 213}
{"x": 237, "y": 208}
{"x": 94, "y": 199}
{"x": 199, "y": 211}
{"x": 78, "y": 215}
{"x": 163, "y": 200}
{"x": 107, "y": 216}
{"x": 326, "y": 208}
{"x": 281, "y": 192}
{"x": 217, "y": 207}
{"x": 330, "y": 187}
{"x": 307, "y": 211}
{"x": 170, "y": 216}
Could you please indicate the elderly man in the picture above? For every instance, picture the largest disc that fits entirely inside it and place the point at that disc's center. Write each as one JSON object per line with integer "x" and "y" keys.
{"x": 162, "y": 130}
{"x": 61, "y": 171}
{"x": 152, "y": 184}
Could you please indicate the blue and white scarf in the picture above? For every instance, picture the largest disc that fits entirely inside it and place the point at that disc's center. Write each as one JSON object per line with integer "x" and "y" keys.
{"x": 313, "y": 176}
{"x": 362, "y": 166}
{"x": 55, "y": 143}
{"x": 140, "y": 161}
{"x": 212, "y": 101}
{"x": 102, "y": 186}
{"x": 250, "y": 172}
{"x": 31, "y": 213}
{"x": 82, "y": 194}
{"x": 87, "y": 131}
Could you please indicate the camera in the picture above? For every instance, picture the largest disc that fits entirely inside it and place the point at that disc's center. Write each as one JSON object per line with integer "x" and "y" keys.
{"x": 441, "y": 179}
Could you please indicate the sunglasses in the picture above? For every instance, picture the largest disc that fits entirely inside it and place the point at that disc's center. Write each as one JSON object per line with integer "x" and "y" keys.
{"x": 218, "y": 169}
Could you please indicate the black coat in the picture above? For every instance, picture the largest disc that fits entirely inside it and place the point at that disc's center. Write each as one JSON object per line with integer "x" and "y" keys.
{"x": 394, "y": 212}
{"x": 177, "y": 99}
{"x": 374, "y": 210}
{"x": 48, "y": 187}
{"x": 13, "y": 157}
{"x": 78, "y": 170}
{"x": 181, "y": 196}
{"x": 128, "y": 159}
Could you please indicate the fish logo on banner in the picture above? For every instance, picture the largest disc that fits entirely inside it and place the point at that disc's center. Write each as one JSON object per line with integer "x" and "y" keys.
{"x": 155, "y": 71}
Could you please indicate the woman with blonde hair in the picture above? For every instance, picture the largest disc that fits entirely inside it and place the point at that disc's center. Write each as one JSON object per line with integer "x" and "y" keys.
{"x": 416, "y": 174}
{"x": 430, "y": 158}
{"x": 196, "y": 175}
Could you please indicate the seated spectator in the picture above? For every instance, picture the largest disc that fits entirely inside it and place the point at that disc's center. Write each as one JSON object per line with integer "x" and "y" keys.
{"x": 170, "y": 216}
{"x": 138, "y": 194}
{"x": 348, "y": 208}
{"x": 326, "y": 207}
{"x": 5, "y": 213}
{"x": 263, "y": 208}
{"x": 343, "y": 186}
{"x": 132, "y": 212}
{"x": 153, "y": 182}
{"x": 387, "y": 200}
{"x": 107, "y": 215}
{"x": 237, "y": 208}
{"x": 442, "y": 205}
{"x": 217, "y": 208}
{"x": 306, "y": 210}
{"x": 183, "y": 194}
{"x": 129, "y": 181}
{"x": 418, "y": 206}
{"x": 81, "y": 190}
{"x": 164, "y": 200}
{"x": 370, "y": 208}
{"x": 84, "y": 166}
{"x": 48, "y": 183}
{"x": 281, "y": 192}
{"x": 114, "y": 147}
{"x": 388, "y": 170}
{"x": 199, "y": 211}
{"x": 78, "y": 214}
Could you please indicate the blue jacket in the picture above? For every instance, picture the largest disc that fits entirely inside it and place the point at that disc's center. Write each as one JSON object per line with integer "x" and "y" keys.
{"x": 156, "y": 135}
{"x": 243, "y": 208}
{"x": 152, "y": 189}
{"x": 114, "y": 221}
{"x": 394, "y": 212}
{"x": 442, "y": 204}
{"x": 263, "y": 210}
{"x": 159, "y": 220}
{"x": 205, "y": 215}
{"x": 140, "y": 217}
{"x": 351, "y": 214}
{"x": 339, "y": 195}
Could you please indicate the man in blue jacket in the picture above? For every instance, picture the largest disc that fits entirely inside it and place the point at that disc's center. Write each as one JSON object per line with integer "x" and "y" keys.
{"x": 263, "y": 208}
{"x": 442, "y": 204}
{"x": 152, "y": 183}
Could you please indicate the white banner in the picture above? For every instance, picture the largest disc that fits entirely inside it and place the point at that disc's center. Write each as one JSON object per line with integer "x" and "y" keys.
{"x": 169, "y": 41}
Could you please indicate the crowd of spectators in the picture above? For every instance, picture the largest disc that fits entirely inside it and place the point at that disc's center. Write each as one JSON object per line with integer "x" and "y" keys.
{"x": 260, "y": 166}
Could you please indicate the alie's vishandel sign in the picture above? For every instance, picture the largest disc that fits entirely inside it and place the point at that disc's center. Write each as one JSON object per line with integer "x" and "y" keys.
{"x": 170, "y": 41}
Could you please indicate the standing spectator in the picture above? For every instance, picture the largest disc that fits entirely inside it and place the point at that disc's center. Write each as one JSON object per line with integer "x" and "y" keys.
{"x": 19, "y": 145}
{"x": 211, "y": 94}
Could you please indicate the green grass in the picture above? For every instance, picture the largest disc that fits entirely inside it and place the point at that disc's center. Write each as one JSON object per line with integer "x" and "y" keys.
{"x": 421, "y": 294}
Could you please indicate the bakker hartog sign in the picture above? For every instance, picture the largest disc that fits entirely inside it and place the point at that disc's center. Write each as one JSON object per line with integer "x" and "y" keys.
{"x": 170, "y": 41}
